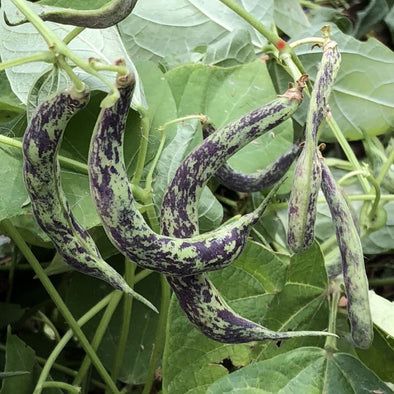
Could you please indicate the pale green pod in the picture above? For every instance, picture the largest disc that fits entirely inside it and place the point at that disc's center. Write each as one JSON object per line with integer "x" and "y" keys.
{"x": 41, "y": 171}
{"x": 353, "y": 268}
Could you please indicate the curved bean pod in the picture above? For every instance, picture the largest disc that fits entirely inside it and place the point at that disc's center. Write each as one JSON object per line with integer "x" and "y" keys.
{"x": 179, "y": 206}
{"x": 106, "y": 16}
{"x": 124, "y": 224}
{"x": 302, "y": 202}
{"x": 259, "y": 180}
{"x": 355, "y": 278}
{"x": 199, "y": 299}
{"x": 41, "y": 171}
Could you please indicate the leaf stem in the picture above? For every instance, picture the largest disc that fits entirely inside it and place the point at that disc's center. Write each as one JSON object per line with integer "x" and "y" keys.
{"x": 49, "y": 363}
{"x": 348, "y": 151}
{"x": 126, "y": 319}
{"x": 25, "y": 250}
{"x": 72, "y": 34}
{"x": 63, "y": 385}
{"x": 335, "y": 294}
{"x": 145, "y": 125}
{"x": 385, "y": 168}
{"x": 160, "y": 334}
{"x": 116, "y": 296}
{"x": 46, "y": 56}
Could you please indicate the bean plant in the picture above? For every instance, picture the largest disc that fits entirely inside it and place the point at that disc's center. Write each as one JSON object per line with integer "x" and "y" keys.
{"x": 196, "y": 196}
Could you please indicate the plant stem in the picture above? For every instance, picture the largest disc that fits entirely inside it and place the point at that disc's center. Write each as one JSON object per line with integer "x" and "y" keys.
{"x": 66, "y": 338}
{"x": 145, "y": 125}
{"x": 62, "y": 385}
{"x": 125, "y": 326}
{"x": 20, "y": 243}
{"x": 268, "y": 34}
{"x": 37, "y": 57}
{"x": 116, "y": 296}
{"x": 72, "y": 34}
{"x": 385, "y": 167}
{"x": 348, "y": 151}
{"x": 331, "y": 341}
{"x": 380, "y": 282}
{"x": 46, "y": 33}
{"x": 160, "y": 334}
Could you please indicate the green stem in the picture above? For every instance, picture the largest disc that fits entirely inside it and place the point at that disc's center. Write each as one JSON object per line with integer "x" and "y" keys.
{"x": 309, "y": 4}
{"x": 338, "y": 163}
{"x": 385, "y": 168}
{"x": 49, "y": 363}
{"x": 307, "y": 40}
{"x": 44, "y": 319}
{"x": 379, "y": 282}
{"x": 125, "y": 326}
{"x": 11, "y": 274}
{"x": 331, "y": 341}
{"x": 37, "y": 57}
{"x": 145, "y": 125}
{"x": 20, "y": 243}
{"x": 72, "y": 34}
{"x": 116, "y": 296}
{"x": 268, "y": 34}
{"x": 46, "y": 33}
{"x": 59, "y": 368}
{"x": 62, "y": 385}
{"x": 160, "y": 334}
{"x": 142, "y": 275}
{"x": 348, "y": 151}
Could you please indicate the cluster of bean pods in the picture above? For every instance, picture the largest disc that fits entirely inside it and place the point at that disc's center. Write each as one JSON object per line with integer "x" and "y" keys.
{"x": 180, "y": 252}
{"x": 312, "y": 174}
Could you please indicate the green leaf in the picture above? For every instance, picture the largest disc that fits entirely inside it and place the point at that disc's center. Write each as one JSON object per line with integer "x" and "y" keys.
{"x": 10, "y": 313}
{"x": 290, "y": 17}
{"x": 382, "y": 313}
{"x": 140, "y": 343}
{"x": 361, "y": 100}
{"x": 24, "y": 40}
{"x": 174, "y": 33}
{"x": 304, "y": 370}
{"x": 233, "y": 49}
{"x": 20, "y": 357}
{"x": 258, "y": 286}
{"x": 380, "y": 356}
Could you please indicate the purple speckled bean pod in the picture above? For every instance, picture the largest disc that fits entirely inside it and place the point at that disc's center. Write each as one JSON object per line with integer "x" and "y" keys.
{"x": 259, "y": 180}
{"x": 199, "y": 299}
{"x": 124, "y": 224}
{"x": 353, "y": 268}
{"x": 41, "y": 172}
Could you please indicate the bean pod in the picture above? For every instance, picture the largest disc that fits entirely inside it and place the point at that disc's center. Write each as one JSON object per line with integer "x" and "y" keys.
{"x": 41, "y": 171}
{"x": 355, "y": 278}
{"x": 259, "y": 180}
{"x": 302, "y": 203}
{"x": 124, "y": 224}
{"x": 108, "y": 15}
{"x": 179, "y": 208}
{"x": 199, "y": 299}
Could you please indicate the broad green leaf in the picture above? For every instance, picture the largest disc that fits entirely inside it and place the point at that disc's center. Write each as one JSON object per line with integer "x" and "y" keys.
{"x": 252, "y": 286}
{"x": 382, "y": 313}
{"x": 9, "y": 103}
{"x": 140, "y": 343}
{"x": 174, "y": 33}
{"x": 233, "y": 49}
{"x": 21, "y": 41}
{"x": 305, "y": 370}
{"x": 20, "y": 357}
{"x": 361, "y": 100}
{"x": 380, "y": 356}
{"x": 290, "y": 17}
